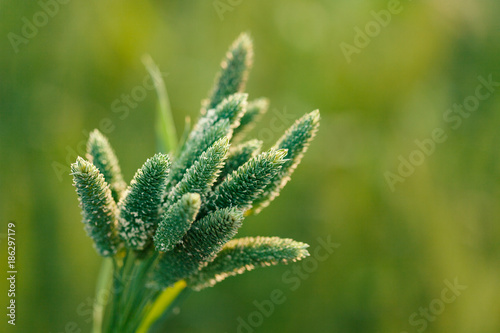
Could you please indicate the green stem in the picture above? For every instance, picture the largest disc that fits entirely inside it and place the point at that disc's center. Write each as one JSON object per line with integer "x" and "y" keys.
{"x": 143, "y": 307}
{"x": 120, "y": 269}
{"x": 160, "y": 305}
{"x": 130, "y": 277}
{"x": 158, "y": 324}
{"x": 132, "y": 306}
{"x": 117, "y": 291}
{"x": 103, "y": 283}
{"x": 136, "y": 291}
{"x": 127, "y": 275}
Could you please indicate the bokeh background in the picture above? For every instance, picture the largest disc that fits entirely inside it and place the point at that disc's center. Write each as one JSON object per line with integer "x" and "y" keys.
{"x": 396, "y": 247}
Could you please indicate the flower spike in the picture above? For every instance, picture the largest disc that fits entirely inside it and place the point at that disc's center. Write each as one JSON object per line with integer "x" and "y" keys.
{"x": 200, "y": 177}
{"x": 203, "y": 241}
{"x": 100, "y": 153}
{"x": 176, "y": 221}
{"x": 234, "y": 71}
{"x": 98, "y": 207}
{"x": 244, "y": 254}
{"x": 255, "y": 110}
{"x": 296, "y": 139}
{"x": 245, "y": 185}
{"x": 238, "y": 156}
{"x": 140, "y": 205}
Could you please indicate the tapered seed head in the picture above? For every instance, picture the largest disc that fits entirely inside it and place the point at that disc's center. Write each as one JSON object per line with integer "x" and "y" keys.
{"x": 98, "y": 207}
{"x": 176, "y": 221}
{"x": 234, "y": 71}
{"x": 245, "y": 254}
{"x": 255, "y": 109}
{"x": 201, "y": 243}
{"x": 200, "y": 177}
{"x": 238, "y": 156}
{"x": 101, "y": 154}
{"x": 296, "y": 140}
{"x": 140, "y": 206}
{"x": 246, "y": 184}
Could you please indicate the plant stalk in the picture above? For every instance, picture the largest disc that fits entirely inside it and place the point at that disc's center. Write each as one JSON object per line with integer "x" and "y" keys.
{"x": 102, "y": 293}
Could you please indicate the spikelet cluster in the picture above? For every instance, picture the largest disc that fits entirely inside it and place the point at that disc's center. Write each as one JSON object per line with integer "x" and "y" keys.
{"x": 245, "y": 254}
{"x": 100, "y": 153}
{"x": 98, "y": 207}
{"x": 184, "y": 210}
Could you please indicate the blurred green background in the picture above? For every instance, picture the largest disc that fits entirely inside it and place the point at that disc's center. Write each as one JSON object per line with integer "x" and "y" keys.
{"x": 397, "y": 248}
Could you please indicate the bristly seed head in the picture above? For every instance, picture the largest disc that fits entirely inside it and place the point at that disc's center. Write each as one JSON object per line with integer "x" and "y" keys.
{"x": 185, "y": 215}
{"x": 98, "y": 207}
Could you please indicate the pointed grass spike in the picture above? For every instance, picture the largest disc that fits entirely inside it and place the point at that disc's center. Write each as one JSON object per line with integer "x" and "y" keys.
{"x": 98, "y": 207}
{"x": 255, "y": 109}
{"x": 232, "y": 108}
{"x": 176, "y": 221}
{"x": 234, "y": 71}
{"x": 200, "y": 177}
{"x": 243, "y": 186}
{"x": 202, "y": 242}
{"x": 239, "y": 155}
{"x": 296, "y": 140}
{"x": 245, "y": 254}
{"x": 140, "y": 205}
{"x": 193, "y": 149}
{"x": 216, "y": 124}
{"x": 100, "y": 153}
